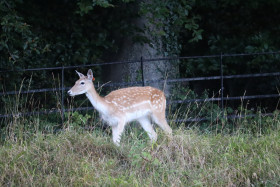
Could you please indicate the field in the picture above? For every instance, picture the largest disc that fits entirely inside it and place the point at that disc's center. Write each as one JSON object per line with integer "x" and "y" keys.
{"x": 76, "y": 157}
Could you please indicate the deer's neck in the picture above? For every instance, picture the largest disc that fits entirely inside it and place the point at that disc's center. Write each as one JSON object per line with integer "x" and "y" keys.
{"x": 97, "y": 101}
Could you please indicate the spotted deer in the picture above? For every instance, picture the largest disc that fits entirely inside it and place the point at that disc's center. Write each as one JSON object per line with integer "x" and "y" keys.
{"x": 122, "y": 106}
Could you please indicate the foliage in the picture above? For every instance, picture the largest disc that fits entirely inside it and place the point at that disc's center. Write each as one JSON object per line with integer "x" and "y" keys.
{"x": 77, "y": 120}
{"x": 231, "y": 28}
{"x": 236, "y": 27}
{"x": 85, "y": 6}
{"x": 48, "y": 34}
{"x": 18, "y": 44}
{"x": 167, "y": 19}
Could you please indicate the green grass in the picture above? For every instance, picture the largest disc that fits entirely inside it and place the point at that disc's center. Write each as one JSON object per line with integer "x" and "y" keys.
{"x": 190, "y": 158}
{"x": 233, "y": 152}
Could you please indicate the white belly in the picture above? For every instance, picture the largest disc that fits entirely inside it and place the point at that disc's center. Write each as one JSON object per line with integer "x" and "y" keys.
{"x": 128, "y": 116}
{"x": 111, "y": 121}
{"x": 132, "y": 116}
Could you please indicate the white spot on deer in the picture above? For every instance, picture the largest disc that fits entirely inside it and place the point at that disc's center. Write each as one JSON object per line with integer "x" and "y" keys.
{"x": 115, "y": 103}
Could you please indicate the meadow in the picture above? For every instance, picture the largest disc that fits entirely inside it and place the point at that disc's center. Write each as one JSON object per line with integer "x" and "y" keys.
{"x": 38, "y": 151}
{"x": 192, "y": 157}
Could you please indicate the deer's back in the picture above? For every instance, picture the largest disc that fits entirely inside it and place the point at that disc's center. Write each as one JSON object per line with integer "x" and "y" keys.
{"x": 136, "y": 98}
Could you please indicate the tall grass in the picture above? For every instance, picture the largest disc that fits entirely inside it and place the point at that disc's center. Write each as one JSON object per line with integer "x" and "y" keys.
{"x": 240, "y": 152}
{"x": 190, "y": 158}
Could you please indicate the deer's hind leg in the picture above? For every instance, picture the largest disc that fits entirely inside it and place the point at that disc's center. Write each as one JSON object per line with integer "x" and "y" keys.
{"x": 160, "y": 120}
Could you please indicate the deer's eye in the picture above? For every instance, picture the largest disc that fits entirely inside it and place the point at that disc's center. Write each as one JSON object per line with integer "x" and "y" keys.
{"x": 82, "y": 83}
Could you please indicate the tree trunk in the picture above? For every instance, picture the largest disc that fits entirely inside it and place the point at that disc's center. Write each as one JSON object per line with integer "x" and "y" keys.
{"x": 155, "y": 70}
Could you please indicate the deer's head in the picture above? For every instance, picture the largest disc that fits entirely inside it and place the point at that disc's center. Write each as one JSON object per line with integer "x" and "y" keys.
{"x": 83, "y": 84}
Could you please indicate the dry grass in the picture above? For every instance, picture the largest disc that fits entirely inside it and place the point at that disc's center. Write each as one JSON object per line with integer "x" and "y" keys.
{"x": 190, "y": 158}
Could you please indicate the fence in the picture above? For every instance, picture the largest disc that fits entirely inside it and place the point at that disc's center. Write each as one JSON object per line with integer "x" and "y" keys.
{"x": 220, "y": 77}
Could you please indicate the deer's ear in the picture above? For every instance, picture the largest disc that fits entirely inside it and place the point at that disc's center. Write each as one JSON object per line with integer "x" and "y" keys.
{"x": 90, "y": 75}
{"x": 80, "y": 74}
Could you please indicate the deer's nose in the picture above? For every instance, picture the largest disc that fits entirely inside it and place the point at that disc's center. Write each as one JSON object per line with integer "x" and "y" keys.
{"x": 69, "y": 92}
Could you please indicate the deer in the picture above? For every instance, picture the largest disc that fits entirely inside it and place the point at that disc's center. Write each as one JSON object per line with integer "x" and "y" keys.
{"x": 122, "y": 106}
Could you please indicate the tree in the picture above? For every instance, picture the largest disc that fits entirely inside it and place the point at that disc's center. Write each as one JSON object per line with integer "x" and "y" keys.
{"x": 159, "y": 24}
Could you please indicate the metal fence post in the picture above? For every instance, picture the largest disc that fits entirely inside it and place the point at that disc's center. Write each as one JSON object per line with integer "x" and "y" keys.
{"x": 62, "y": 95}
{"x": 142, "y": 68}
{"x": 222, "y": 83}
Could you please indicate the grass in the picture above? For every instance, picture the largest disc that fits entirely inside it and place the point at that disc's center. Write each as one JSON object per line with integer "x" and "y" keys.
{"x": 239, "y": 152}
{"x": 190, "y": 158}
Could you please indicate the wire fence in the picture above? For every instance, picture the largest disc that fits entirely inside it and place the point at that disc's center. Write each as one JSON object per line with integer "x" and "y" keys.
{"x": 221, "y": 99}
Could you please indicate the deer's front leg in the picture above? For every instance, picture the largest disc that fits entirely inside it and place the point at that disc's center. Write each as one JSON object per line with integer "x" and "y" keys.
{"x": 117, "y": 131}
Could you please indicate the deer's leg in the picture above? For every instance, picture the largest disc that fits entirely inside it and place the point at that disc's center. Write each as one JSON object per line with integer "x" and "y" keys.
{"x": 159, "y": 118}
{"x": 147, "y": 126}
{"x": 117, "y": 131}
